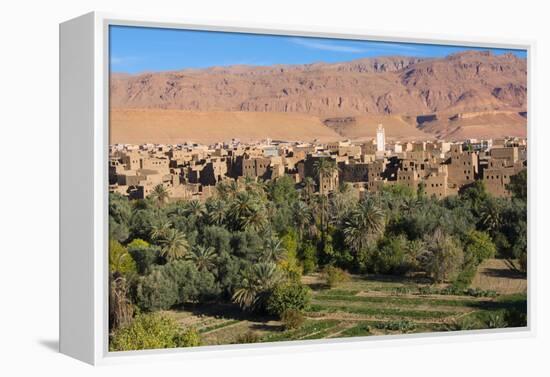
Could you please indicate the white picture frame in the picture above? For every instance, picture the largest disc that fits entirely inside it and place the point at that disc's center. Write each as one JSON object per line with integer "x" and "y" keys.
{"x": 84, "y": 116}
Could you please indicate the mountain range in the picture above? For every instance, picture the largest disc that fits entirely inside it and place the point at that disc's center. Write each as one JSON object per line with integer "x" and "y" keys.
{"x": 464, "y": 95}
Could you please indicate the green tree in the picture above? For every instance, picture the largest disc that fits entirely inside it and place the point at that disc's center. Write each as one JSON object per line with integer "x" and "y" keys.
{"x": 174, "y": 245}
{"x": 518, "y": 185}
{"x": 246, "y": 212}
{"x": 303, "y": 218}
{"x": 204, "y": 258}
{"x": 273, "y": 250}
{"x": 195, "y": 209}
{"x": 308, "y": 256}
{"x": 257, "y": 283}
{"x": 391, "y": 256}
{"x": 159, "y": 195}
{"x": 160, "y": 228}
{"x": 443, "y": 257}
{"x": 364, "y": 225}
{"x": 478, "y": 247}
{"x": 143, "y": 254}
{"x": 308, "y": 189}
{"x": 120, "y": 260}
{"x": 324, "y": 168}
{"x": 288, "y": 296}
{"x": 216, "y": 211}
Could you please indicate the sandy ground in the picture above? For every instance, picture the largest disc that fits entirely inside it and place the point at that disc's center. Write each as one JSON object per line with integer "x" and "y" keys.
{"x": 175, "y": 126}
{"x": 496, "y": 275}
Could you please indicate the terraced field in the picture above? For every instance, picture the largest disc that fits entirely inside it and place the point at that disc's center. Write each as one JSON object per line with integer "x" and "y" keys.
{"x": 365, "y": 306}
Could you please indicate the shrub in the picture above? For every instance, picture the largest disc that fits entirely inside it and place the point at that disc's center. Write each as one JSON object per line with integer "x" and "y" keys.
{"x": 151, "y": 331}
{"x": 292, "y": 319}
{"x": 248, "y": 337}
{"x": 401, "y": 325}
{"x": 289, "y": 296}
{"x": 496, "y": 320}
{"x": 465, "y": 277}
{"x": 188, "y": 338}
{"x": 335, "y": 276}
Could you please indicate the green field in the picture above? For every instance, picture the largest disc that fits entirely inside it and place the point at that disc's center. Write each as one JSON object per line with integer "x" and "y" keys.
{"x": 364, "y": 306}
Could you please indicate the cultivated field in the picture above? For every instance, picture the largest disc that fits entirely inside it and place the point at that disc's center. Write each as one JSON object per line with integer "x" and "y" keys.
{"x": 373, "y": 305}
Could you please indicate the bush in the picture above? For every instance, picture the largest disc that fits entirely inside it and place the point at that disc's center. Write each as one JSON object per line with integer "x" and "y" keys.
{"x": 248, "y": 337}
{"x": 400, "y": 325}
{"x": 465, "y": 277}
{"x": 289, "y": 296}
{"x": 152, "y": 331}
{"x": 334, "y": 276}
{"x": 292, "y": 319}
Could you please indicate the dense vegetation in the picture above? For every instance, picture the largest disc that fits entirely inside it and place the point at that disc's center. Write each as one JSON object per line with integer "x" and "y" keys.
{"x": 251, "y": 243}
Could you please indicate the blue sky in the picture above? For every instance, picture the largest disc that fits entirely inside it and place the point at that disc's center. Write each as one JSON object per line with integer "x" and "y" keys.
{"x": 139, "y": 49}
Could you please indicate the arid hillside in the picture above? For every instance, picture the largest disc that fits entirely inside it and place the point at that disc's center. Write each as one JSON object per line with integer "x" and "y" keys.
{"x": 465, "y": 82}
{"x": 136, "y": 126}
{"x": 469, "y": 94}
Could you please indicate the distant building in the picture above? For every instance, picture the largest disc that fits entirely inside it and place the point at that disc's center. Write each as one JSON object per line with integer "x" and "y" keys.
{"x": 380, "y": 139}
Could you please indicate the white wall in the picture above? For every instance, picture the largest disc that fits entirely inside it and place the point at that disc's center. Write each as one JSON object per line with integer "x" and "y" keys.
{"x": 29, "y": 189}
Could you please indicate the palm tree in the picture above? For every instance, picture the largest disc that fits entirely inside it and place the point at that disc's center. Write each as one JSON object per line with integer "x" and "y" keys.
{"x": 159, "y": 195}
{"x": 415, "y": 249}
{"x": 322, "y": 210}
{"x": 303, "y": 218}
{"x": 204, "y": 258}
{"x": 490, "y": 217}
{"x": 195, "y": 209}
{"x": 174, "y": 245}
{"x": 248, "y": 183}
{"x": 324, "y": 168}
{"x": 121, "y": 309}
{"x": 364, "y": 225}
{"x": 309, "y": 189}
{"x": 160, "y": 229}
{"x": 273, "y": 250}
{"x": 256, "y": 221}
{"x": 232, "y": 189}
{"x": 258, "y": 281}
{"x": 247, "y": 213}
{"x": 216, "y": 210}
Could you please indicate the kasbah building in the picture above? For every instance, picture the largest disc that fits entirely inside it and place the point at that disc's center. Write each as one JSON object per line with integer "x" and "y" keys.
{"x": 191, "y": 171}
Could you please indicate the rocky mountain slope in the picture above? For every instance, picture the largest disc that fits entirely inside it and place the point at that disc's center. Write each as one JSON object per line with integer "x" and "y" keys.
{"x": 469, "y": 94}
{"x": 465, "y": 82}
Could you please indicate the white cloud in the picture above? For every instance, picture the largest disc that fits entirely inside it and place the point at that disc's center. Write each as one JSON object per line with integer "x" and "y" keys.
{"x": 123, "y": 60}
{"x": 317, "y": 45}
